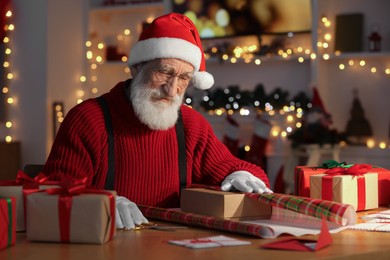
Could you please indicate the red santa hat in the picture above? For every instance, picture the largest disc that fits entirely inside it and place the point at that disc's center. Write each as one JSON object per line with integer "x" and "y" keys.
{"x": 173, "y": 36}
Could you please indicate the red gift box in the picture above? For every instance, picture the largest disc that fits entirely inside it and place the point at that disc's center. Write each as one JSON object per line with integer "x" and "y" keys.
{"x": 302, "y": 182}
{"x": 7, "y": 222}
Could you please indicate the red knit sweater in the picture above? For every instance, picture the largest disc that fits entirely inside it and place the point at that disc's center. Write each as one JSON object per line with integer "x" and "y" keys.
{"x": 146, "y": 164}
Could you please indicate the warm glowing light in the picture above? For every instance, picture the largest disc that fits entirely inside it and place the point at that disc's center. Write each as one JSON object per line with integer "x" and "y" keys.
{"x": 257, "y": 61}
{"x": 127, "y": 70}
{"x": 337, "y": 53}
{"x": 8, "y": 124}
{"x": 8, "y": 139}
{"x": 301, "y": 59}
{"x": 79, "y": 100}
{"x": 326, "y": 56}
{"x": 94, "y": 78}
{"x": 313, "y": 56}
{"x": 126, "y": 32}
{"x": 382, "y": 145}
{"x": 275, "y": 133}
{"x": 6, "y": 39}
{"x": 362, "y": 63}
{"x": 290, "y": 118}
{"x": 8, "y": 13}
{"x": 10, "y": 76}
{"x": 5, "y": 90}
{"x": 298, "y": 124}
{"x": 387, "y": 71}
{"x": 11, "y": 27}
{"x": 6, "y": 64}
{"x": 100, "y": 46}
{"x": 373, "y": 69}
{"x": 233, "y": 60}
{"x": 83, "y": 78}
{"x": 88, "y": 43}
{"x": 351, "y": 62}
{"x": 247, "y": 148}
{"x": 8, "y": 51}
{"x": 124, "y": 59}
{"x": 225, "y": 57}
{"x": 325, "y": 45}
{"x": 94, "y": 66}
{"x": 89, "y": 55}
{"x": 80, "y": 93}
{"x": 370, "y": 143}
{"x": 10, "y": 100}
{"x": 94, "y": 90}
{"x": 99, "y": 59}
{"x": 58, "y": 108}
{"x": 328, "y": 36}
{"x": 341, "y": 66}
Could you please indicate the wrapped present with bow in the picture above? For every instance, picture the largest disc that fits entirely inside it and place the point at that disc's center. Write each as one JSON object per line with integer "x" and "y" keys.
{"x": 7, "y": 221}
{"x": 356, "y": 185}
{"x": 71, "y": 213}
{"x": 302, "y": 179}
{"x": 19, "y": 188}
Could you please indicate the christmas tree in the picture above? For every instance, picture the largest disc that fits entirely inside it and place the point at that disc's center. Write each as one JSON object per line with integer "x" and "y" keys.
{"x": 358, "y": 128}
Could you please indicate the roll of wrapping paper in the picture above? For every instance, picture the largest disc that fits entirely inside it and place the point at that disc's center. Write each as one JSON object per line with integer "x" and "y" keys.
{"x": 338, "y": 213}
{"x": 191, "y": 219}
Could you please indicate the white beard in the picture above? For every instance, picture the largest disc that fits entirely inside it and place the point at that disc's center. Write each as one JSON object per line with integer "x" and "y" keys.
{"x": 156, "y": 115}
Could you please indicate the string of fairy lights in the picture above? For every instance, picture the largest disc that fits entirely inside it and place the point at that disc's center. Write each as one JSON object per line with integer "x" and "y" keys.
{"x": 9, "y": 100}
{"x": 96, "y": 54}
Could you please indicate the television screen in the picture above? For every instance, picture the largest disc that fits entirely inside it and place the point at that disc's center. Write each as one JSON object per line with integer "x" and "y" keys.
{"x": 225, "y": 18}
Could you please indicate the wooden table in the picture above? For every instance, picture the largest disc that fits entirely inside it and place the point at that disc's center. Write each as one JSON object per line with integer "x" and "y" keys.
{"x": 152, "y": 244}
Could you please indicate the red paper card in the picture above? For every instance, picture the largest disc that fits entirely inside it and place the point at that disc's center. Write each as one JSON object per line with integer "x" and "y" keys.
{"x": 297, "y": 244}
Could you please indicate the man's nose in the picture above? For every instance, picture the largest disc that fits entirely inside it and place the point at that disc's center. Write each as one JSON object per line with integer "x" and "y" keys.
{"x": 172, "y": 86}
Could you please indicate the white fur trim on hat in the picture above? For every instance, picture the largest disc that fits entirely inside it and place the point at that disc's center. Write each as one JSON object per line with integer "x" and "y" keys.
{"x": 203, "y": 80}
{"x": 155, "y": 48}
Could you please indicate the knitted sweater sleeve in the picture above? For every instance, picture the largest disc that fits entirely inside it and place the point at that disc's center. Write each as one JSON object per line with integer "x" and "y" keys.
{"x": 79, "y": 144}
{"x": 210, "y": 159}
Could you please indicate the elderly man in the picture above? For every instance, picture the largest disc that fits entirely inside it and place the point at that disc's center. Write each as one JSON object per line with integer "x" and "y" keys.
{"x": 140, "y": 140}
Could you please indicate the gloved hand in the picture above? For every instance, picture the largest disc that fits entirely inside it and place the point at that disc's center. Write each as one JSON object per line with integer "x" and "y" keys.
{"x": 127, "y": 214}
{"x": 245, "y": 182}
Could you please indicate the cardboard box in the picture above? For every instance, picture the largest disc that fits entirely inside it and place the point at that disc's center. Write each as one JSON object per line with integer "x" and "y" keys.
{"x": 230, "y": 205}
{"x": 7, "y": 221}
{"x": 90, "y": 218}
{"x": 345, "y": 189}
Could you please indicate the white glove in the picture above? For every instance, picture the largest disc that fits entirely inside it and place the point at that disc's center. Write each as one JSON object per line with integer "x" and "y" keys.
{"x": 245, "y": 182}
{"x": 127, "y": 214}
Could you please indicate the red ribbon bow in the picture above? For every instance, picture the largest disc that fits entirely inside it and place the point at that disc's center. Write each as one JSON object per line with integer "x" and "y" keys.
{"x": 356, "y": 169}
{"x": 69, "y": 188}
{"x": 23, "y": 178}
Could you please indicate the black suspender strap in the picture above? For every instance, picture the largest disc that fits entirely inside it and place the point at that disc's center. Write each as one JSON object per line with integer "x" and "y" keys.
{"x": 111, "y": 153}
{"x": 110, "y": 139}
{"x": 182, "y": 152}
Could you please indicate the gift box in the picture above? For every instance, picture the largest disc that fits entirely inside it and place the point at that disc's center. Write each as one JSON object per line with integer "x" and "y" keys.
{"x": 360, "y": 191}
{"x": 88, "y": 217}
{"x": 19, "y": 189}
{"x": 7, "y": 221}
{"x": 302, "y": 182}
{"x": 221, "y": 204}
{"x": 302, "y": 179}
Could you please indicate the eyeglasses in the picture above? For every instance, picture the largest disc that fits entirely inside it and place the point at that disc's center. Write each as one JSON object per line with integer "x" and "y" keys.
{"x": 183, "y": 80}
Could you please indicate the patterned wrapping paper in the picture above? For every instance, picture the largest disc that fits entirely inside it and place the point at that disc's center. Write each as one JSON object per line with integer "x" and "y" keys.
{"x": 338, "y": 213}
{"x": 234, "y": 226}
